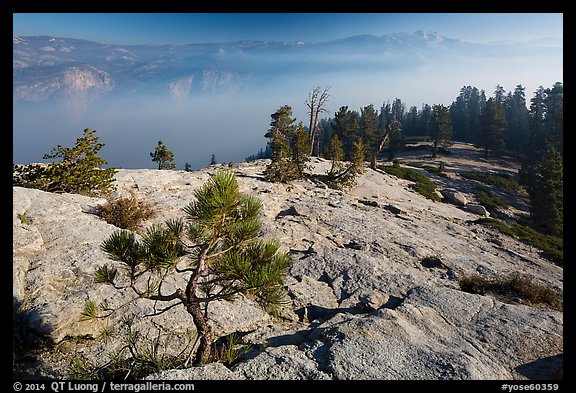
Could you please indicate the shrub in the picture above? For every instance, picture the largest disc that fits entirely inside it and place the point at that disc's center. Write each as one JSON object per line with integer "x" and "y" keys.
{"x": 422, "y": 183}
{"x": 474, "y": 283}
{"x": 509, "y": 289}
{"x": 552, "y": 246}
{"x": 24, "y": 219}
{"x": 487, "y": 200}
{"x": 78, "y": 171}
{"x": 126, "y": 212}
{"x": 500, "y": 180}
{"x": 342, "y": 176}
{"x": 137, "y": 356}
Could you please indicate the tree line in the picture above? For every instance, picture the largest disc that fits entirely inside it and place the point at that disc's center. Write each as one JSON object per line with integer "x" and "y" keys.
{"x": 500, "y": 124}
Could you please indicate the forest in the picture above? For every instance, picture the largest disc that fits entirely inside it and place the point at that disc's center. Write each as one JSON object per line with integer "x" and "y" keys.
{"x": 504, "y": 123}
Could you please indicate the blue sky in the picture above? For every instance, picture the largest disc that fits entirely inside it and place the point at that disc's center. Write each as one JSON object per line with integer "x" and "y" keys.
{"x": 184, "y": 28}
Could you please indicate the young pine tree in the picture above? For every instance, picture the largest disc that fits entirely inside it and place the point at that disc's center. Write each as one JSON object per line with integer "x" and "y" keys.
{"x": 300, "y": 150}
{"x": 282, "y": 167}
{"x": 216, "y": 251}
{"x": 342, "y": 176}
{"x": 335, "y": 153}
{"x": 77, "y": 171}
{"x": 163, "y": 156}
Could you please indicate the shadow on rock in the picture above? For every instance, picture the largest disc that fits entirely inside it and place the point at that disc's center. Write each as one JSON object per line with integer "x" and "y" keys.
{"x": 548, "y": 368}
{"x": 27, "y": 343}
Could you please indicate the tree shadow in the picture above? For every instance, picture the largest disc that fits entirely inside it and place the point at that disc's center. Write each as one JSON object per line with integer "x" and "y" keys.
{"x": 548, "y": 368}
{"x": 28, "y": 343}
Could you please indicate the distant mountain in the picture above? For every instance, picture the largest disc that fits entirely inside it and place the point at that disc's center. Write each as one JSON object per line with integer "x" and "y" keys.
{"x": 65, "y": 68}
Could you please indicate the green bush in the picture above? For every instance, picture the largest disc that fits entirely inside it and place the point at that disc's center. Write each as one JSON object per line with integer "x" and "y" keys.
{"x": 500, "y": 180}
{"x": 342, "y": 175}
{"x": 423, "y": 184}
{"x": 487, "y": 200}
{"x": 78, "y": 171}
{"x": 551, "y": 246}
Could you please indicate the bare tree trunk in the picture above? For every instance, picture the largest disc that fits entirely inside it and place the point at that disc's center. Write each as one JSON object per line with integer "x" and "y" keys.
{"x": 192, "y": 304}
{"x": 378, "y": 149}
{"x": 316, "y": 102}
{"x": 204, "y": 351}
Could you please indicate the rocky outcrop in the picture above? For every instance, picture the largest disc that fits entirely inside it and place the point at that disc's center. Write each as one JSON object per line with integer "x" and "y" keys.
{"x": 459, "y": 199}
{"x": 477, "y": 209}
{"x": 360, "y": 305}
{"x": 454, "y": 197}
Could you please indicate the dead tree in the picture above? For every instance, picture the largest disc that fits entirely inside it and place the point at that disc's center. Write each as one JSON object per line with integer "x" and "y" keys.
{"x": 378, "y": 149}
{"x": 316, "y": 104}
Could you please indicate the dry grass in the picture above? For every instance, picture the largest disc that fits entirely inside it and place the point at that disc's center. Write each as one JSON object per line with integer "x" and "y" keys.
{"x": 126, "y": 212}
{"x": 514, "y": 288}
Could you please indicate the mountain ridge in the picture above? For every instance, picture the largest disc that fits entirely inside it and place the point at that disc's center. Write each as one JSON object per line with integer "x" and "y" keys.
{"x": 39, "y": 62}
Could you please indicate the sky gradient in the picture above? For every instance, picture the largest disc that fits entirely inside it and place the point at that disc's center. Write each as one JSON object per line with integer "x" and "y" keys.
{"x": 186, "y": 28}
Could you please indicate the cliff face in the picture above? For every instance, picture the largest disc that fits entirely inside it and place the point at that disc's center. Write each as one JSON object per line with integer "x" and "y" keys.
{"x": 364, "y": 303}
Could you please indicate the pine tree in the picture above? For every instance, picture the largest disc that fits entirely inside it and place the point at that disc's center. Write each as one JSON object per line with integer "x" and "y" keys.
{"x": 410, "y": 121}
{"x": 79, "y": 169}
{"x": 346, "y": 127}
{"x": 517, "y": 120}
{"x": 396, "y": 138}
{"x": 369, "y": 128}
{"x": 546, "y": 190}
{"x": 465, "y": 111}
{"x": 163, "y": 156}
{"x": 300, "y": 150}
{"x": 281, "y": 168}
{"x": 499, "y": 95}
{"x": 424, "y": 117}
{"x": 343, "y": 176}
{"x": 335, "y": 153}
{"x": 216, "y": 252}
{"x": 554, "y": 124}
{"x": 492, "y": 127}
{"x": 440, "y": 127}
{"x": 542, "y": 169}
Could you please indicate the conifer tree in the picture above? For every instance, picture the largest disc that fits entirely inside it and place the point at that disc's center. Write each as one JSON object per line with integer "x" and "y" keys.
{"x": 518, "y": 131}
{"x": 281, "y": 168}
{"x": 163, "y": 156}
{"x": 300, "y": 150}
{"x": 440, "y": 127}
{"x": 335, "y": 153}
{"x": 369, "y": 128}
{"x": 346, "y": 126}
{"x": 492, "y": 127}
{"x": 343, "y": 176}
{"x": 79, "y": 169}
{"x": 546, "y": 190}
{"x": 215, "y": 250}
